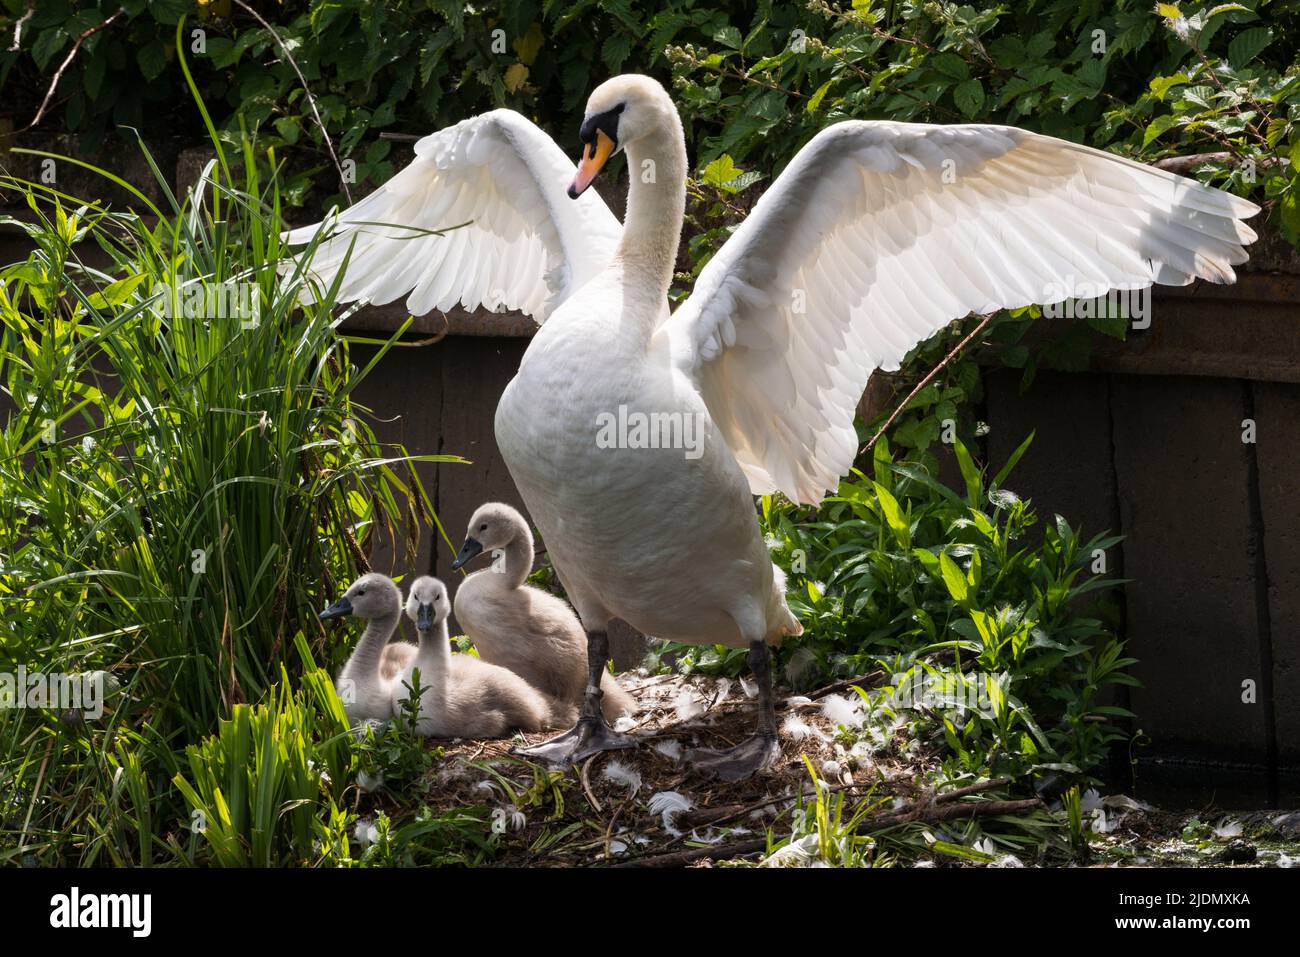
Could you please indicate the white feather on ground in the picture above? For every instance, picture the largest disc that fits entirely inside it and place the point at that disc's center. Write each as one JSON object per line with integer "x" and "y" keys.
{"x": 672, "y": 750}
{"x": 800, "y": 730}
{"x": 616, "y": 772}
{"x": 799, "y": 853}
{"x": 667, "y": 804}
{"x": 687, "y": 705}
{"x": 1229, "y": 828}
{"x": 365, "y": 832}
{"x": 508, "y": 817}
{"x": 842, "y": 711}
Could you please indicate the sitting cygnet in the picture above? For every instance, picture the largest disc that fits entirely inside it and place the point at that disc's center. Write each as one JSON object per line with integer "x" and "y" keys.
{"x": 461, "y": 696}
{"x": 364, "y": 688}
{"x": 525, "y": 629}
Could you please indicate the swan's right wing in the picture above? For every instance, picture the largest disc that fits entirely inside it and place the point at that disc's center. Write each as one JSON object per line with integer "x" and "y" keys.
{"x": 878, "y": 234}
{"x": 527, "y": 245}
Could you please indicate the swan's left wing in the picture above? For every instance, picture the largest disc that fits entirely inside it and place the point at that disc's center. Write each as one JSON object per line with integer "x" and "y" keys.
{"x": 523, "y": 244}
{"x": 878, "y": 234}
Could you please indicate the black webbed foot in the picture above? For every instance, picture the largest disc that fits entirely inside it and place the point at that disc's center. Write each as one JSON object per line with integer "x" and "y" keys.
{"x": 735, "y": 764}
{"x": 589, "y": 736}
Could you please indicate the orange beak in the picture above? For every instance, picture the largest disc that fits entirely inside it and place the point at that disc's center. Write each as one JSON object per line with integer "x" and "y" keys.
{"x": 593, "y": 159}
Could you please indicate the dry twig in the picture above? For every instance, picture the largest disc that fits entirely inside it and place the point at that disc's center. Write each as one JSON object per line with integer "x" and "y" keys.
{"x": 926, "y": 381}
{"x": 67, "y": 61}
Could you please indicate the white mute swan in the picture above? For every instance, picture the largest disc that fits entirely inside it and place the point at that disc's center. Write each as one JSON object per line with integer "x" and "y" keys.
{"x": 525, "y": 629}
{"x": 364, "y": 687}
{"x": 875, "y": 236}
{"x": 461, "y": 696}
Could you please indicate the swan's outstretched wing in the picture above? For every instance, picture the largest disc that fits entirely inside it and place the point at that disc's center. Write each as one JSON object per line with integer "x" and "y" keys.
{"x": 527, "y": 246}
{"x": 878, "y": 234}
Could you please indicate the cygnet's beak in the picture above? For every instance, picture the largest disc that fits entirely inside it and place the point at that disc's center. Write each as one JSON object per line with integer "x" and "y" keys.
{"x": 467, "y": 551}
{"x": 424, "y": 617}
{"x": 340, "y": 609}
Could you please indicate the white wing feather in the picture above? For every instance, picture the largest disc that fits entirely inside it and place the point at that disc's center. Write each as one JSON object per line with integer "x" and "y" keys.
{"x": 527, "y": 246}
{"x": 878, "y": 234}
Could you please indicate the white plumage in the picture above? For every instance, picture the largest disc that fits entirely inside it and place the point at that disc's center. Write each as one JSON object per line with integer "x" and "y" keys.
{"x": 882, "y": 233}
{"x": 526, "y": 246}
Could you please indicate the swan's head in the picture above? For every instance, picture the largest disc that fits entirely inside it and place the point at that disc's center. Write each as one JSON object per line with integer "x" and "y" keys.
{"x": 494, "y": 525}
{"x": 371, "y": 596}
{"x": 427, "y": 603}
{"x": 620, "y": 111}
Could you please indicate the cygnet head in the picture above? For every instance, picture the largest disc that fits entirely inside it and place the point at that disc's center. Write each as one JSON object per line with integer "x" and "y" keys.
{"x": 371, "y": 596}
{"x": 427, "y": 604}
{"x": 494, "y": 525}
{"x": 620, "y": 111}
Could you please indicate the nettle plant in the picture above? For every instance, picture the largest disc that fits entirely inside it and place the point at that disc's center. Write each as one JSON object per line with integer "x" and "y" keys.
{"x": 940, "y": 589}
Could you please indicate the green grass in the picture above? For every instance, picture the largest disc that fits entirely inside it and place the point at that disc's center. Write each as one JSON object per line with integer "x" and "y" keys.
{"x": 179, "y": 495}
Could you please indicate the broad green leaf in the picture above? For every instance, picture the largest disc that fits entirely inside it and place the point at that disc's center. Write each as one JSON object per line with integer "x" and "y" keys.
{"x": 954, "y": 578}
{"x": 969, "y": 96}
{"x": 893, "y": 515}
{"x": 960, "y": 850}
{"x": 970, "y": 473}
{"x": 1249, "y": 44}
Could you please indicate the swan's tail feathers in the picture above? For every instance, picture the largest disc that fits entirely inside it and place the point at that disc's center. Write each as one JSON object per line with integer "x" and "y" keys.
{"x": 783, "y": 621}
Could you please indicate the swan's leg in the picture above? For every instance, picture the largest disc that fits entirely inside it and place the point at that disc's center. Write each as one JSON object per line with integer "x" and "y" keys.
{"x": 591, "y": 734}
{"x": 755, "y": 753}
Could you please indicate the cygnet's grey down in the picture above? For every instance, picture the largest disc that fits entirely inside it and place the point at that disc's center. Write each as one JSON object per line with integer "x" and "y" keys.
{"x": 396, "y": 658}
{"x": 365, "y": 685}
{"x": 462, "y": 696}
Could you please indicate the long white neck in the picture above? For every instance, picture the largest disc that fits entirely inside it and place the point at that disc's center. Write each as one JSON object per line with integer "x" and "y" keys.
{"x": 433, "y": 659}
{"x": 363, "y": 666}
{"x": 652, "y": 229}
{"x": 517, "y": 562}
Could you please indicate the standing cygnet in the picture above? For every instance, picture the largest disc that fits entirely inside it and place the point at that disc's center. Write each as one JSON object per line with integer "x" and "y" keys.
{"x": 461, "y": 696}
{"x": 525, "y": 629}
{"x": 363, "y": 687}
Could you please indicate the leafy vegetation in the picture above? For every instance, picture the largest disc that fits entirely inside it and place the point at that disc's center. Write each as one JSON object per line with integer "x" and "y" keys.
{"x": 262, "y": 789}
{"x": 186, "y": 479}
{"x": 982, "y": 637}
